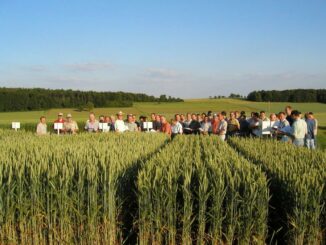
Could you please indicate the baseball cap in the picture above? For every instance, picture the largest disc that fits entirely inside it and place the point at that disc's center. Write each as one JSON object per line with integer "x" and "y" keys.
{"x": 60, "y": 114}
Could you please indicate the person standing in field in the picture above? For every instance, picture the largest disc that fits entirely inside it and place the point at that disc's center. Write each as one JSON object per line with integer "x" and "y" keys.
{"x": 255, "y": 125}
{"x": 186, "y": 124}
{"x": 60, "y": 120}
{"x": 263, "y": 117}
{"x": 119, "y": 124}
{"x": 244, "y": 124}
{"x": 166, "y": 127}
{"x": 92, "y": 125}
{"x": 41, "y": 128}
{"x": 176, "y": 128}
{"x": 157, "y": 123}
{"x": 311, "y": 130}
{"x": 288, "y": 112}
{"x": 299, "y": 129}
{"x": 131, "y": 126}
{"x": 206, "y": 126}
{"x": 282, "y": 124}
{"x": 194, "y": 125}
{"x": 233, "y": 125}
{"x": 215, "y": 123}
{"x": 70, "y": 126}
{"x": 222, "y": 127}
{"x": 111, "y": 123}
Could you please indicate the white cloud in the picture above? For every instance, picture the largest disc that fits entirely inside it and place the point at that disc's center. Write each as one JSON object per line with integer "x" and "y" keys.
{"x": 162, "y": 74}
{"x": 89, "y": 67}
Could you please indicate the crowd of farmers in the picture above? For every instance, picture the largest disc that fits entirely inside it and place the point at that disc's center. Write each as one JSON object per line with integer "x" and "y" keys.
{"x": 289, "y": 125}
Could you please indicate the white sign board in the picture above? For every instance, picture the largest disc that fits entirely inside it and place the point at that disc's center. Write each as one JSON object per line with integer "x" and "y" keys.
{"x": 148, "y": 125}
{"x": 266, "y": 127}
{"x": 15, "y": 125}
{"x": 103, "y": 126}
{"x": 58, "y": 126}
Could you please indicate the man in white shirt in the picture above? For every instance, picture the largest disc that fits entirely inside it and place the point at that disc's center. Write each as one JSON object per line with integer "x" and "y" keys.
{"x": 222, "y": 127}
{"x": 119, "y": 124}
{"x": 299, "y": 129}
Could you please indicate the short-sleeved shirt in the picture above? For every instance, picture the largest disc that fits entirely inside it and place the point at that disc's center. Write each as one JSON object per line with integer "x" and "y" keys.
{"x": 92, "y": 126}
{"x": 70, "y": 126}
{"x": 41, "y": 129}
{"x": 311, "y": 124}
{"x": 177, "y": 128}
{"x": 233, "y": 125}
{"x": 222, "y": 127}
{"x": 132, "y": 127}
{"x": 120, "y": 126}
{"x": 299, "y": 129}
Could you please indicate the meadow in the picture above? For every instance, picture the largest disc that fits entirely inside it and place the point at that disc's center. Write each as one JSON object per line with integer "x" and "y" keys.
{"x": 169, "y": 109}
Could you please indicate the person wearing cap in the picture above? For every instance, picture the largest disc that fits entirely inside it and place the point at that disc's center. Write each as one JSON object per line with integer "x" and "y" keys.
{"x": 131, "y": 126}
{"x": 92, "y": 125}
{"x": 70, "y": 126}
{"x": 119, "y": 124}
{"x": 41, "y": 128}
{"x": 60, "y": 120}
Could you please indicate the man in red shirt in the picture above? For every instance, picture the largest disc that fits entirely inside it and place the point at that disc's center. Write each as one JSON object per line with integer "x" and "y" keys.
{"x": 166, "y": 127}
{"x": 60, "y": 120}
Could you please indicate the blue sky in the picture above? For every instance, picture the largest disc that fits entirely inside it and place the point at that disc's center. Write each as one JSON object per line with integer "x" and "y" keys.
{"x": 181, "y": 48}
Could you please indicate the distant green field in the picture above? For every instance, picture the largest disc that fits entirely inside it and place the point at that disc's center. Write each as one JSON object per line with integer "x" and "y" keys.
{"x": 169, "y": 109}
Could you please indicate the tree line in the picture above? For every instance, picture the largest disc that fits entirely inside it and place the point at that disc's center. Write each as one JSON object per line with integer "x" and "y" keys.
{"x": 291, "y": 95}
{"x": 25, "y": 99}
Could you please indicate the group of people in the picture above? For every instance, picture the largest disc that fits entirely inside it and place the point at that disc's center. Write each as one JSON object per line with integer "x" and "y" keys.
{"x": 287, "y": 126}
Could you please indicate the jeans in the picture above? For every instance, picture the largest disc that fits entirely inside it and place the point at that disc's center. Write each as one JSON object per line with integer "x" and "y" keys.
{"x": 310, "y": 143}
{"x": 298, "y": 142}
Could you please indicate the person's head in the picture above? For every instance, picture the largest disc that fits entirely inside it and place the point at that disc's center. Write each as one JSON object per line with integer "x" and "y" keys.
{"x": 101, "y": 118}
{"x": 281, "y": 115}
{"x": 112, "y": 118}
{"x": 158, "y": 118}
{"x": 206, "y": 119}
{"x": 193, "y": 116}
{"x": 134, "y": 118}
{"x": 209, "y": 113}
{"x": 203, "y": 115}
{"x": 262, "y": 115}
{"x": 153, "y": 116}
{"x": 42, "y": 119}
{"x": 69, "y": 117}
{"x": 232, "y": 115}
{"x": 288, "y": 110}
{"x": 199, "y": 117}
{"x": 174, "y": 121}
{"x": 119, "y": 115}
{"x": 177, "y": 117}
{"x": 130, "y": 118}
{"x": 60, "y": 116}
{"x": 107, "y": 119}
{"x": 189, "y": 116}
{"x": 223, "y": 113}
{"x": 163, "y": 119}
{"x": 220, "y": 116}
{"x": 272, "y": 117}
{"x": 255, "y": 116}
{"x": 92, "y": 116}
{"x": 296, "y": 114}
{"x": 243, "y": 115}
{"x": 310, "y": 115}
{"x": 237, "y": 114}
{"x": 182, "y": 117}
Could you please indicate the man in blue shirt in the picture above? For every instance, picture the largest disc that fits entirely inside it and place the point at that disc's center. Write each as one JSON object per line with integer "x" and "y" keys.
{"x": 311, "y": 126}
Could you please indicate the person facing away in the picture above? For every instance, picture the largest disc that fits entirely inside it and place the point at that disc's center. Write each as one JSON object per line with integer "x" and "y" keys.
{"x": 288, "y": 112}
{"x": 70, "y": 126}
{"x": 244, "y": 124}
{"x": 131, "y": 126}
{"x": 92, "y": 125}
{"x": 60, "y": 120}
{"x": 206, "y": 126}
{"x": 299, "y": 129}
{"x": 311, "y": 130}
{"x": 233, "y": 125}
{"x": 119, "y": 124}
{"x": 222, "y": 127}
{"x": 166, "y": 127}
{"x": 41, "y": 128}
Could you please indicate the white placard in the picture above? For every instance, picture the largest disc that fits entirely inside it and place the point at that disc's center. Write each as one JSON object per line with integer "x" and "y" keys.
{"x": 148, "y": 125}
{"x": 266, "y": 127}
{"x": 58, "y": 126}
{"x": 103, "y": 126}
{"x": 15, "y": 125}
